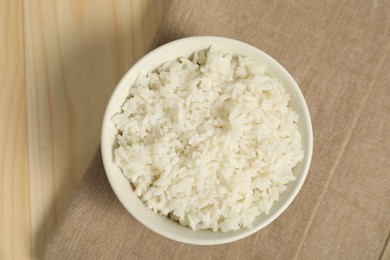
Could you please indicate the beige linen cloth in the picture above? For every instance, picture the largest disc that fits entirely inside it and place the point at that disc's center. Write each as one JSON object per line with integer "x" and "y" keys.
{"x": 338, "y": 52}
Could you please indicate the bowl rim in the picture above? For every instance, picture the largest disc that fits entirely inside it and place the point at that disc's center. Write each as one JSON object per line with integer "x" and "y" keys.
{"x": 107, "y": 151}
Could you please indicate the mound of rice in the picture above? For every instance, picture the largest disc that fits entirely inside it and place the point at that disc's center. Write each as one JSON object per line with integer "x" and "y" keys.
{"x": 209, "y": 141}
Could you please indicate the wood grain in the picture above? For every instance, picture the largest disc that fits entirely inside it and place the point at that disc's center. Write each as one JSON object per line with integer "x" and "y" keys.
{"x": 60, "y": 61}
{"x": 14, "y": 201}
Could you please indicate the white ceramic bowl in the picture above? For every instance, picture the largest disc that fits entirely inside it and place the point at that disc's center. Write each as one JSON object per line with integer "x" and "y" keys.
{"x": 121, "y": 186}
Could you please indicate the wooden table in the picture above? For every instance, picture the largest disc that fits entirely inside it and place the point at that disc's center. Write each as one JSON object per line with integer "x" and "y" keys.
{"x": 59, "y": 63}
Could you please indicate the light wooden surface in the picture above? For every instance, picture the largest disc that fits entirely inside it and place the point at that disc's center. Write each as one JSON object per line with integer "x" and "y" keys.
{"x": 15, "y": 240}
{"x": 59, "y": 62}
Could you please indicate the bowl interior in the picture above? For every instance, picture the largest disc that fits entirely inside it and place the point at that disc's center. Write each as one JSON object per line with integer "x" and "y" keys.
{"x": 121, "y": 185}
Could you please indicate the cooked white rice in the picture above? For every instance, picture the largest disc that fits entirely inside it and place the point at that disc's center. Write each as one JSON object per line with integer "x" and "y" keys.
{"x": 209, "y": 141}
